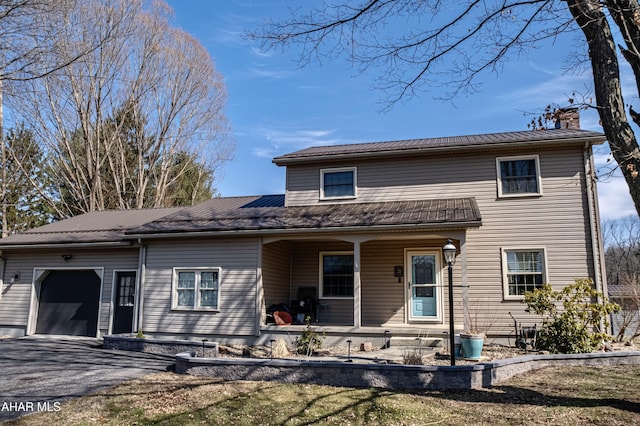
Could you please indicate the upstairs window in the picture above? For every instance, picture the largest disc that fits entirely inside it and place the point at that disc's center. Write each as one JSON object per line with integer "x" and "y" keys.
{"x": 338, "y": 183}
{"x": 524, "y": 270}
{"x": 518, "y": 176}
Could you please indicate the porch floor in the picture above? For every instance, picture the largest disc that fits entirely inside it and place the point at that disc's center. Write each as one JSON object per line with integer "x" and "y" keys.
{"x": 418, "y": 334}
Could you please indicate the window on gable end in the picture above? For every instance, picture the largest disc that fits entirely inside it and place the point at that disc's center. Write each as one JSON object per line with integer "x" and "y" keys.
{"x": 338, "y": 183}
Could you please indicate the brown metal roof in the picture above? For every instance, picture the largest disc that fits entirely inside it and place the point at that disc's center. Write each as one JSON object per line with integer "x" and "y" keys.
{"x": 105, "y": 226}
{"x": 257, "y": 214}
{"x": 220, "y": 215}
{"x": 430, "y": 144}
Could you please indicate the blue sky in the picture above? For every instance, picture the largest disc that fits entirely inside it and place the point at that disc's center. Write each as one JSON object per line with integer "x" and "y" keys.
{"x": 275, "y": 106}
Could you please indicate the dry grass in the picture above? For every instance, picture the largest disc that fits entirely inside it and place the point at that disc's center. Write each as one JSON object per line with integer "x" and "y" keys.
{"x": 559, "y": 396}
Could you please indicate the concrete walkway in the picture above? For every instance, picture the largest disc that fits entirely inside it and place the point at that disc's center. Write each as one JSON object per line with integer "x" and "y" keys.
{"x": 39, "y": 373}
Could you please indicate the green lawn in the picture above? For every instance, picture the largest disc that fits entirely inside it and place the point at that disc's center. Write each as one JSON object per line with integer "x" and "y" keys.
{"x": 558, "y": 396}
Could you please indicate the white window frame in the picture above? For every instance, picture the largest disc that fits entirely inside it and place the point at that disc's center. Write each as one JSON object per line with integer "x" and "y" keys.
{"x": 536, "y": 158}
{"x": 505, "y": 269}
{"x": 354, "y": 170}
{"x": 321, "y": 273}
{"x": 196, "y": 298}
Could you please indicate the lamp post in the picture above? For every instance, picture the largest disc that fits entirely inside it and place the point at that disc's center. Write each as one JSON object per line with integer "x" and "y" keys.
{"x": 449, "y": 251}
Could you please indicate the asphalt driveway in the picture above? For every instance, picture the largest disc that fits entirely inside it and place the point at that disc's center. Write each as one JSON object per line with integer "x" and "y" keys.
{"x": 39, "y": 373}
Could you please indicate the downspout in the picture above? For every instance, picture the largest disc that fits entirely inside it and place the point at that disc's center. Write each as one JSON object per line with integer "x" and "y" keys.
{"x": 594, "y": 225}
{"x": 142, "y": 265}
{"x": 2, "y": 263}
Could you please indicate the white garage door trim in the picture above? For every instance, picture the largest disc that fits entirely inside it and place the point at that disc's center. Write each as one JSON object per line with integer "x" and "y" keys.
{"x": 39, "y": 274}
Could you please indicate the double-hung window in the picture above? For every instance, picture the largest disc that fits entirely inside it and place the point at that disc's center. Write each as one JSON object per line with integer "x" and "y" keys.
{"x": 336, "y": 274}
{"x": 523, "y": 270}
{"x": 518, "y": 176}
{"x": 196, "y": 289}
{"x": 338, "y": 183}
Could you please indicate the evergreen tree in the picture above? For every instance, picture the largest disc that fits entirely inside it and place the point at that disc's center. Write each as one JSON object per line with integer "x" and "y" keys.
{"x": 25, "y": 207}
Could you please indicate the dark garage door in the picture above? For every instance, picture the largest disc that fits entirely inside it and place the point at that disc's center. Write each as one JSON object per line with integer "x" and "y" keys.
{"x": 69, "y": 303}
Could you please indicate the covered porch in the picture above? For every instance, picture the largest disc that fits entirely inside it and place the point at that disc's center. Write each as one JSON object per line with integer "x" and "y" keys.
{"x": 362, "y": 286}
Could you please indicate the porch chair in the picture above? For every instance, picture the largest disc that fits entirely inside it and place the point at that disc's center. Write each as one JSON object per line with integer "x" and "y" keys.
{"x": 306, "y": 304}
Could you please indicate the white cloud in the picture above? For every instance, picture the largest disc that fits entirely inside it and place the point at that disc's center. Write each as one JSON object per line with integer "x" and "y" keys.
{"x": 614, "y": 199}
{"x": 261, "y": 53}
{"x": 263, "y": 152}
{"x": 557, "y": 89}
{"x": 270, "y": 73}
{"x": 280, "y": 140}
{"x": 613, "y": 193}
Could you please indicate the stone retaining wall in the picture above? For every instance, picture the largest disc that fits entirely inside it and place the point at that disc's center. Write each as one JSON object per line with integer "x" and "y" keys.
{"x": 160, "y": 346}
{"x": 389, "y": 376}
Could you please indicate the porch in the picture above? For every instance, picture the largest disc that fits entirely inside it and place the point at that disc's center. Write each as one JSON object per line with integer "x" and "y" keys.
{"x": 362, "y": 287}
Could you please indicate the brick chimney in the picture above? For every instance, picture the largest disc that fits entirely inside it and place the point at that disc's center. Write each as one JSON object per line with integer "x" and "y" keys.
{"x": 567, "y": 118}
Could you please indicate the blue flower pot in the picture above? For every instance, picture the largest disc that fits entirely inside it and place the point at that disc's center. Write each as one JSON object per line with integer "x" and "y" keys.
{"x": 472, "y": 346}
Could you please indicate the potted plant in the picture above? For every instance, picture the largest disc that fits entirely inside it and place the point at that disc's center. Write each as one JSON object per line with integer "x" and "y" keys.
{"x": 473, "y": 337}
{"x": 472, "y": 343}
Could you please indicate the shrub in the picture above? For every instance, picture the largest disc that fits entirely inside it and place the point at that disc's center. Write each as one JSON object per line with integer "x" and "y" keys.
{"x": 576, "y": 327}
{"x": 309, "y": 340}
{"x": 413, "y": 357}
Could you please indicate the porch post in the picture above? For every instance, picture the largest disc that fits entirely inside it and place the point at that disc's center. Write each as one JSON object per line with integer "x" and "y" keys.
{"x": 465, "y": 281}
{"x": 259, "y": 289}
{"x": 356, "y": 284}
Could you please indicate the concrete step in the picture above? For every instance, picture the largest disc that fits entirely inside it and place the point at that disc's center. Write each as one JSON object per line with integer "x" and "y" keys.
{"x": 415, "y": 342}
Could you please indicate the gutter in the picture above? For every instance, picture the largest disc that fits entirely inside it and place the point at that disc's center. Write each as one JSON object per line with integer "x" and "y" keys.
{"x": 65, "y": 245}
{"x": 306, "y": 231}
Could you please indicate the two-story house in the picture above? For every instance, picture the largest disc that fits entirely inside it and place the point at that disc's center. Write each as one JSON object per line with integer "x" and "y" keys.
{"x": 355, "y": 242}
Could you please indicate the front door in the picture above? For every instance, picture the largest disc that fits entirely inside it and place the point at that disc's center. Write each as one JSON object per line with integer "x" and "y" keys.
{"x": 422, "y": 283}
{"x": 124, "y": 302}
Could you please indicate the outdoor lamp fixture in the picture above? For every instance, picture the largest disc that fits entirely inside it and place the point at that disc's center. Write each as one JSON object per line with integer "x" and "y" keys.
{"x": 66, "y": 257}
{"x": 449, "y": 251}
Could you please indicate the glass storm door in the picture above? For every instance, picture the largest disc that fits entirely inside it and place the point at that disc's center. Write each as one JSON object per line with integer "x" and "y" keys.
{"x": 422, "y": 285}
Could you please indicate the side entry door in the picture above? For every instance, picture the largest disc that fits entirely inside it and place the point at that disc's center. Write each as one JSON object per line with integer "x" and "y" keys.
{"x": 124, "y": 302}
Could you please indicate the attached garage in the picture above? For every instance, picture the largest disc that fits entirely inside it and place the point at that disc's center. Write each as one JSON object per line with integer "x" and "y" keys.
{"x": 68, "y": 303}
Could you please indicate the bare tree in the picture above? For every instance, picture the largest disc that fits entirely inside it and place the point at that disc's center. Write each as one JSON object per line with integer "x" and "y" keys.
{"x": 622, "y": 257}
{"x": 28, "y": 50}
{"x": 461, "y": 40}
{"x": 114, "y": 122}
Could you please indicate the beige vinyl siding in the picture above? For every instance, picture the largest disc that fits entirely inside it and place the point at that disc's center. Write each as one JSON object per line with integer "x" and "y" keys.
{"x": 557, "y": 220}
{"x": 15, "y": 299}
{"x": 238, "y": 259}
{"x": 276, "y": 279}
{"x": 383, "y": 297}
{"x": 306, "y": 273}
